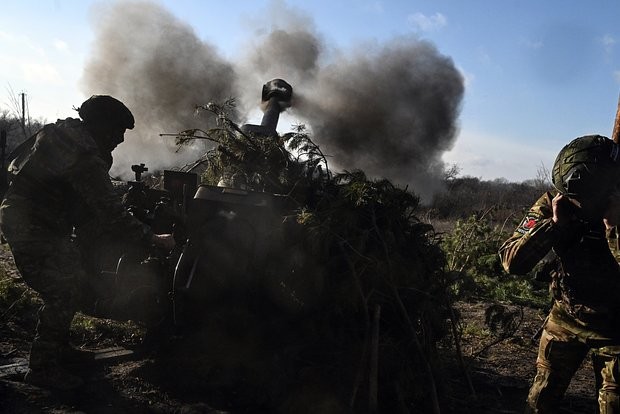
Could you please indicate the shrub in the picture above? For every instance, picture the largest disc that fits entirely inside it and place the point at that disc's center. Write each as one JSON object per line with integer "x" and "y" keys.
{"x": 16, "y": 298}
{"x": 472, "y": 260}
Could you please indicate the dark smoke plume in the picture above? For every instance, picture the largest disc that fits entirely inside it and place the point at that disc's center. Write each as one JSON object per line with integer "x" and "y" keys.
{"x": 389, "y": 109}
{"x": 290, "y": 49}
{"x": 161, "y": 70}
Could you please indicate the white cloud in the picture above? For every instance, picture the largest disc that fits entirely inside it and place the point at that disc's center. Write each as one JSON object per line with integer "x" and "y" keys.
{"x": 61, "y": 45}
{"x": 20, "y": 43}
{"x": 30, "y": 65}
{"x": 483, "y": 56}
{"x": 427, "y": 23}
{"x": 532, "y": 44}
{"x": 608, "y": 42}
{"x": 5, "y": 36}
{"x": 490, "y": 156}
{"x": 41, "y": 73}
{"x": 468, "y": 77}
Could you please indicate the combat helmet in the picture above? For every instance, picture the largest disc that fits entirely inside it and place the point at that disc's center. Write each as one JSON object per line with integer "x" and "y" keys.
{"x": 106, "y": 111}
{"x": 587, "y": 169}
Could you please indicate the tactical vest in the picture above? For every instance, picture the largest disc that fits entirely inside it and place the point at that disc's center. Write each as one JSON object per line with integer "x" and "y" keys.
{"x": 587, "y": 272}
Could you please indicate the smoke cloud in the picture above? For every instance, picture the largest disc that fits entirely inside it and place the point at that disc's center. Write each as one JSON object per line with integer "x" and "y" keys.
{"x": 161, "y": 70}
{"x": 389, "y": 109}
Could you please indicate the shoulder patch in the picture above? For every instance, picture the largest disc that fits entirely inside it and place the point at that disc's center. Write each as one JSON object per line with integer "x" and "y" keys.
{"x": 528, "y": 223}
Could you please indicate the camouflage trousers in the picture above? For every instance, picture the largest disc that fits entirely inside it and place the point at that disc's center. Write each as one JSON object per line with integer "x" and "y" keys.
{"x": 53, "y": 269}
{"x": 564, "y": 344}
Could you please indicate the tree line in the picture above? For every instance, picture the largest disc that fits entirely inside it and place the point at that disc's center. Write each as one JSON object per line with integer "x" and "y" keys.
{"x": 498, "y": 199}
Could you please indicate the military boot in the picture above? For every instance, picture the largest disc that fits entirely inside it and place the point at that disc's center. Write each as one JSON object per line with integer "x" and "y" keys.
{"x": 75, "y": 356}
{"x": 45, "y": 368}
{"x": 53, "y": 376}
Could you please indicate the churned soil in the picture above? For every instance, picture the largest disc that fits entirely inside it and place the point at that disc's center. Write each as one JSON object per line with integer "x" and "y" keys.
{"x": 499, "y": 372}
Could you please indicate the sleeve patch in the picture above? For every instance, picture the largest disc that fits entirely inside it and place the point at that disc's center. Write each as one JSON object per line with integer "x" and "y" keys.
{"x": 529, "y": 222}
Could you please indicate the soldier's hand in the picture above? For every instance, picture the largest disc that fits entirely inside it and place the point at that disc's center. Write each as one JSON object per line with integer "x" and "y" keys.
{"x": 612, "y": 213}
{"x": 563, "y": 210}
{"x": 163, "y": 241}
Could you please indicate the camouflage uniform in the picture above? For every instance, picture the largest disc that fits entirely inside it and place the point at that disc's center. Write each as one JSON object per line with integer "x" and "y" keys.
{"x": 586, "y": 313}
{"x": 58, "y": 183}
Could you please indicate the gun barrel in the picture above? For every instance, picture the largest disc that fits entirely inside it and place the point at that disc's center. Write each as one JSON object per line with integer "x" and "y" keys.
{"x": 276, "y": 97}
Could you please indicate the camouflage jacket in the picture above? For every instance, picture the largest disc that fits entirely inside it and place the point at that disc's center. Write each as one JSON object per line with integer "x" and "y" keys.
{"x": 61, "y": 182}
{"x": 586, "y": 272}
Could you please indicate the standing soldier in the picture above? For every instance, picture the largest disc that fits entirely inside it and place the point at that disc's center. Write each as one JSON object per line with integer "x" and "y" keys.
{"x": 60, "y": 180}
{"x": 585, "y": 283}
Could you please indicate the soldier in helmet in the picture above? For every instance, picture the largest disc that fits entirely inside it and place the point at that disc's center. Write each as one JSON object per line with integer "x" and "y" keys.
{"x": 585, "y": 282}
{"x": 59, "y": 180}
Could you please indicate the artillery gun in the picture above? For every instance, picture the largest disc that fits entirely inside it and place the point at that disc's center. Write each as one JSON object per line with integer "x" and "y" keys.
{"x": 288, "y": 284}
{"x": 236, "y": 296}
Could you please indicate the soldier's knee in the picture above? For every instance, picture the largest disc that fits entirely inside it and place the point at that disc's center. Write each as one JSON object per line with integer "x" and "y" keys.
{"x": 546, "y": 392}
{"x": 609, "y": 401}
{"x": 606, "y": 361}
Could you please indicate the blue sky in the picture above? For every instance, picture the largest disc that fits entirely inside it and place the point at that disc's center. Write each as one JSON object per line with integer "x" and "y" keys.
{"x": 537, "y": 73}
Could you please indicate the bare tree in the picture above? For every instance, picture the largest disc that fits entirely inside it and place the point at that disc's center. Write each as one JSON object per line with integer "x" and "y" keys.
{"x": 19, "y": 105}
{"x": 451, "y": 172}
{"x": 543, "y": 181}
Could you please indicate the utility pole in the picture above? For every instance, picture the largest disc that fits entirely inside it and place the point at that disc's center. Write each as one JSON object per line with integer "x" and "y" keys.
{"x": 3, "y": 173}
{"x": 23, "y": 112}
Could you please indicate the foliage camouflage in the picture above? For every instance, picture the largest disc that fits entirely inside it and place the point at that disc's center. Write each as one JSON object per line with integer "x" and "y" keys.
{"x": 376, "y": 250}
{"x": 475, "y": 268}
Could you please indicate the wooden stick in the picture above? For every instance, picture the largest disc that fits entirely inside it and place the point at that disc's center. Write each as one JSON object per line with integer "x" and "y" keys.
{"x": 409, "y": 323}
{"x": 615, "y": 135}
{"x": 373, "y": 394}
{"x": 459, "y": 352}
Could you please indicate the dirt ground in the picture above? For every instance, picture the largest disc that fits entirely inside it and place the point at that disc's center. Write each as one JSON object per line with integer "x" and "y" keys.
{"x": 500, "y": 374}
